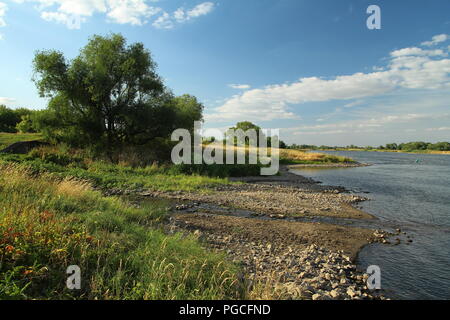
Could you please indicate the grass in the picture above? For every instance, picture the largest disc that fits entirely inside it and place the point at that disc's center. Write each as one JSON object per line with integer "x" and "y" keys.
{"x": 52, "y": 215}
{"x": 7, "y": 139}
{"x": 291, "y": 156}
{"x": 103, "y": 175}
{"x": 48, "y": 223}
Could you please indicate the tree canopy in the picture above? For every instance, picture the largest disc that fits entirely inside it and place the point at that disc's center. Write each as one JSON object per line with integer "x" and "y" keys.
{"x": 108, "y": 96}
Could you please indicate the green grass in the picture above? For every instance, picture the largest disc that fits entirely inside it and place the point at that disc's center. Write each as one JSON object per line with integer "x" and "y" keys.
{"x": 328, "y": 159}
{"x": 48, "y": 224}
{"x": 7, "y": 139}
{"x": 106, "y": 176}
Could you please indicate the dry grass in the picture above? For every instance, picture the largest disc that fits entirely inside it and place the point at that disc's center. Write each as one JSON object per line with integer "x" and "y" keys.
{"x": 73, "y": 187}
{"x": 288, "y": 155}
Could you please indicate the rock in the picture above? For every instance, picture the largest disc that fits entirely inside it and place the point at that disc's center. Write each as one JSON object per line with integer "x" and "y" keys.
{"x": 197, "y": 233}
{"x": 335, "y": 294}
{"x": 316, "y": 296}
{"x": 351, "y": 292}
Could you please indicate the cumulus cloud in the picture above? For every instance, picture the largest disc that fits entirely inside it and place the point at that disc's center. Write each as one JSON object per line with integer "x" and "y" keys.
{"x": 131, "y": 11}
{"x": 134, "y": 12}
{"x": 410, "y": 68}
{"x": 436, "y": 40}
{"x": 239, "y": 86}
{"x": 168, "y": 21}
{"x": 70, "y": 21}
{"x": 414, "y": 51}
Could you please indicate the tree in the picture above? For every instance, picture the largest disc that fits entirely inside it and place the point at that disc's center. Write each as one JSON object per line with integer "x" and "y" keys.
{"x": 187, "y": 110}
{"x": 108, "y": 96}
{"x": 392, "y": 146}
{"x": 245, "y": 126}
{"x": 411, "y": 146}
{"x": 26, "y": 125}
{"x": 8, "y": 119}
{"x": 440, "y": 146}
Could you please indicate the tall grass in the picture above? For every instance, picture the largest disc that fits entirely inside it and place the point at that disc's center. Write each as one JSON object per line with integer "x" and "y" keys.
{"x": 291, "y": 156}
{"x": 47, "y": 224}
{"x": 105, "y": 175}
{"x": 7, "y": 139}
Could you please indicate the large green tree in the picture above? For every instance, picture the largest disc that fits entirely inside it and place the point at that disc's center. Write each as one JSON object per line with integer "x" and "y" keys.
{"x": 108, "y": 96}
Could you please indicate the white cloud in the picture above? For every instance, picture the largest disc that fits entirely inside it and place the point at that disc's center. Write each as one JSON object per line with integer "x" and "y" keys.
{"x": 7, "y": 101}
{"x": 70, "y": 21}
{"x": 240, "y": 86}
{"x": 439, "y": 129}
{"x": 414, "y": 51}
{"x": 164, "y": 22}
{"x": 3, "y": 8}
{"x": 168, "y": 21}
{"x": 354, "y": 104}
{"x": 200, "y": 10}
{"x": 408, "y": 68}
{"x": 436, "y": 40}
{"x": 131, "y": 11}
{"x": 362, "y": 125}
{"x": 135, "y": 12}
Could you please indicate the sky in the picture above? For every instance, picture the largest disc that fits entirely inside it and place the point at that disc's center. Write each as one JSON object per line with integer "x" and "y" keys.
{"x": 311, "y": 68}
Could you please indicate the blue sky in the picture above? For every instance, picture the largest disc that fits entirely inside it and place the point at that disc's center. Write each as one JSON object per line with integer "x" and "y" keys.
{"x": 311, "y": 68}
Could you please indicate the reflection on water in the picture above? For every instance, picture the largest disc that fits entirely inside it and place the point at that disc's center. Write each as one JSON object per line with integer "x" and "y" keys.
{"x": 412, "y": 191}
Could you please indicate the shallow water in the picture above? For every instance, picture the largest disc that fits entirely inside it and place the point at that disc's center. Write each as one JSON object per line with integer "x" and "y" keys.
{"x": 410, "y": 191}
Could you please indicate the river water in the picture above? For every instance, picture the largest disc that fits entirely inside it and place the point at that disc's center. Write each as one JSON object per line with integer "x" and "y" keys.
{"x": 410, "y": 191}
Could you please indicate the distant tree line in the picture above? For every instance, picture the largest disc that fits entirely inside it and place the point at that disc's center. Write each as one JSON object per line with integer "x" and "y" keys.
{"x": 16, "y": 120}
{"x": 418, "y": 145}
{"x": 409, "y": 146}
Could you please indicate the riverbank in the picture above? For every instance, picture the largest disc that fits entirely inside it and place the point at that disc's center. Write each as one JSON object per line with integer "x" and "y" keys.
{"x": 252, "y": 223}
{"x": 394, "y": 151}
{"x": 286, "y": 195}
{"x": 249, "y": 221}
{"x": 329, "y": 165}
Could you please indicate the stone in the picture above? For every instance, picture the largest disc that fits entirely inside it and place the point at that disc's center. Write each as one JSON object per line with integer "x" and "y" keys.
{"x": 351, "y": 292}
{"x": 316, "y": 296}
{"x": 335, "y": 294}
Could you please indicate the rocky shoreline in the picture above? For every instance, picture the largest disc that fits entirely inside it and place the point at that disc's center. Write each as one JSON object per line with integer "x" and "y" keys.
{"x": 282, "y": 258}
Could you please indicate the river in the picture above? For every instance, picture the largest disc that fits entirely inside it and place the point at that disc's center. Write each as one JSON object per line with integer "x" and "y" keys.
{"x": 410, "y": 191}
